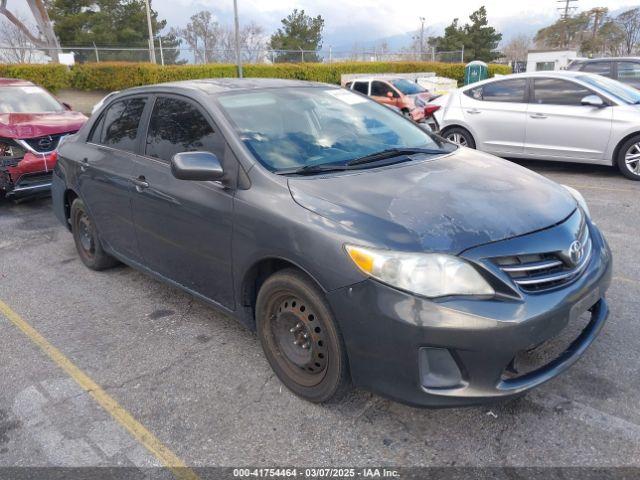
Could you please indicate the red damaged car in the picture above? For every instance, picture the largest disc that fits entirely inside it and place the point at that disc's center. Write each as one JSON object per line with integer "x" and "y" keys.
{"x": 32, "y": 124}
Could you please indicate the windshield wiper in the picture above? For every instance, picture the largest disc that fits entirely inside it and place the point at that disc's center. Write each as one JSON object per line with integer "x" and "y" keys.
{"x": 317, "y": 168}
{"x": 393, "y": 152}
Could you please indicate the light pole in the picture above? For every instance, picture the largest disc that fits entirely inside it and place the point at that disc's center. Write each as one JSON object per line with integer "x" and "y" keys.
{"x": 152, "y": 50}
{"x": 238, "y": 57}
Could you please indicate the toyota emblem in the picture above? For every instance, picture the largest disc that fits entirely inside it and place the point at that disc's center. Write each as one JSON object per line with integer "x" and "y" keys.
{"x": 575, "y": 252}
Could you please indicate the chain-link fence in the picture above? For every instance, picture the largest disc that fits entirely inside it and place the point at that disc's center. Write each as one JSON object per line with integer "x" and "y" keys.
{"x": 182, "y": 55}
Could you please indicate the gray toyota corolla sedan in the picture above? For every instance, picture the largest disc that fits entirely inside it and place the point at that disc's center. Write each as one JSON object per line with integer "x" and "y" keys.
{"x": 362, "y": 249}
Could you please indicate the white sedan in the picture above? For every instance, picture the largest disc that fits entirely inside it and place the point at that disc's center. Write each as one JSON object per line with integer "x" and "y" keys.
{"x": 565, "y": 116}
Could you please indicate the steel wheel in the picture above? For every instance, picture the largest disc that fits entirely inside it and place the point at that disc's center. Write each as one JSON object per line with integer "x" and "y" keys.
{"x": 457, "y": 138}
{"x": 632, "y": 159}
{"x": 85, "y": 235}
{"x": 298, "y": 338}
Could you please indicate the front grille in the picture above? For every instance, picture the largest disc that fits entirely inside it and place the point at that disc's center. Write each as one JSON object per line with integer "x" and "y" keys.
{"x": 544, "y": 271}
{"x": 45, "y": 144}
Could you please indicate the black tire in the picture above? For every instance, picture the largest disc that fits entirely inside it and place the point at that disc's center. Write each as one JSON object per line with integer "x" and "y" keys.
{"x": 290, "y": 306}
{"x": 86, "y": 239}
{"x": 630, "y": 147}
{"x": 459, "y": 133}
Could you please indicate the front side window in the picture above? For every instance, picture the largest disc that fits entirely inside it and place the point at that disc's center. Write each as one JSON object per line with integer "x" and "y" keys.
{"x": 28, "y": 99}
{"x": 362, "y": 87}
{"x": 380, "y": 89}
{"x": 118, "y": 126}
{"x": 554, "y": 91}
{"x": 511, "y": 91}
{"x": 619, "y": 90}
{"x": 599, "y": 68}
{"x": 296, "y": 127}
{"x": 407, "y": 87}
{"x": 178, "y": 126}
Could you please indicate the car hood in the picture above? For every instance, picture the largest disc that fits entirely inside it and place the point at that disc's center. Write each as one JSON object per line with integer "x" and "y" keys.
{"x": 29, "y": 125}
{"x": 446, "y": 204}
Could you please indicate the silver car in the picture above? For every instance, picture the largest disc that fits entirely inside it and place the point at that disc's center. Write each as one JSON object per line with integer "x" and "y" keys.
{"x": 566, "y": 116}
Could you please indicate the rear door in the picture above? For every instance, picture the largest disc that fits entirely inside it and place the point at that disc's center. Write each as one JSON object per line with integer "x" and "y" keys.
{"x": 497, "y": 111}
{"x": 106, "y": 171}
{"x": 560, "y": 127}
{"x": 184, "y": 227}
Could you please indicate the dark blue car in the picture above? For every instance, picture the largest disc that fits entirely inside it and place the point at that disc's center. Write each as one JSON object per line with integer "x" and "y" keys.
{"x": 362, "y": 249}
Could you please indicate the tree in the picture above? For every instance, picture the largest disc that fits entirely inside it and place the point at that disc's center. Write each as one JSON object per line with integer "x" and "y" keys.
{"x": 629, "y": 24}
{"x": 481, "y": 40}
{"x": 202, "y": 35}
{"x": 211, "y": 42}
{"x": 516, "y": 49}
{"x": 110, "y": 23}
{"x": 21, "y": 49}
{"x": 298, "y": 32}
{"x": 478, "y": 39}
{"x": 44, "y": 37}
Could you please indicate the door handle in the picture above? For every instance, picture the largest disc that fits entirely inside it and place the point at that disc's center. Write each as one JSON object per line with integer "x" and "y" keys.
{"x": 84, "y": 164}
{"x": 474, "y": 111}
{"x": 538, "y": 115}
{"x": 140, "y": 183}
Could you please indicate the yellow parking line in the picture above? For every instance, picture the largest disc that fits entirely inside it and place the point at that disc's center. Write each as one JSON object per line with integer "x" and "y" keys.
{"x": 120, "y": 415}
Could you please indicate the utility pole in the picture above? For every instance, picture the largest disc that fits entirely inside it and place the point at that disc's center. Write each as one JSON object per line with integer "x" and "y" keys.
{"x": 565, "y": 14}
{"x": 422, "y": 19}
{"x": 152, "y": 49}
{"x": 237, "y": 26}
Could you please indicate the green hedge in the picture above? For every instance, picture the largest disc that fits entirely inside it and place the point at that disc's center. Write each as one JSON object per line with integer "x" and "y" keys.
{"x": 52, "y": 77}
{"x": 118, "y": 76}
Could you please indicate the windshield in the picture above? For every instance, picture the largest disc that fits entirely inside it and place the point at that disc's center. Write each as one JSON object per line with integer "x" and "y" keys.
{"x": 617, "y": 89}
{"x": 27, "y": 100}
{"x": 298, "y": 127}
{"x": 407, "y": 87}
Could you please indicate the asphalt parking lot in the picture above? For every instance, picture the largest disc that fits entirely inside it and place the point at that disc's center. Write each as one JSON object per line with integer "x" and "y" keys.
{"x": 198, "y": 381}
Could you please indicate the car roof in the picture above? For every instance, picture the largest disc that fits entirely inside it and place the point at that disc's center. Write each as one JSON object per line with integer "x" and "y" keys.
{"x": 15, "y": 82}
{"x": 216, "y": 86}
{"x": 604, "y": 59}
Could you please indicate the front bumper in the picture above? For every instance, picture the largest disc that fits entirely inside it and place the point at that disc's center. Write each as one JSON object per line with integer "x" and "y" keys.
{"x": 31, "y": 176}
{"x": 387, "y": 333}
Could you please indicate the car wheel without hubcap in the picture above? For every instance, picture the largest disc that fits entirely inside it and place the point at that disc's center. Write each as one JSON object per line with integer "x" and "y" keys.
{"x": 85, "y": 236}
{"x": 300, "y": 338}
{"x": 86, "y": 239}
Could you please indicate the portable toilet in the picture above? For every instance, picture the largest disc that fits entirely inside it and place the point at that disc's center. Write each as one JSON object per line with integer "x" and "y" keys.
{"x": 475, "y": 71}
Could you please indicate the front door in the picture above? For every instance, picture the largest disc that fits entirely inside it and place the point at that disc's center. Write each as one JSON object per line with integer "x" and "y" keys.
{"x": 560, "y": 127}
{"x": 497, "y": 113}
{"x": 106, "y": 168}
{"x": 184, "y": 227}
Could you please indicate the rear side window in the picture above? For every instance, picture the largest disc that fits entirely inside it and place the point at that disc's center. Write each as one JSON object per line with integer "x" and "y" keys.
{"x": 380, "y": 89}
{"x": 118, "y": 126}
{"x": 629, "y": 72}
{"x": 600, "y": 68}
{"x": 553, "y": 91}
{"x": 362, "y": 87}
{"x": 511, "y": 91}
{"x": 178, "y": 126}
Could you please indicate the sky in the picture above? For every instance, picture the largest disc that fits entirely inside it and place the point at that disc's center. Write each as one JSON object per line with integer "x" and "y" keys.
{"x": 348, "y": 22}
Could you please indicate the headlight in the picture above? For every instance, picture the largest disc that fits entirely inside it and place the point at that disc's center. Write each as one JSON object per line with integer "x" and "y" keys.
{"x": 427, "y": 274}
{"x": 579, "y": 198}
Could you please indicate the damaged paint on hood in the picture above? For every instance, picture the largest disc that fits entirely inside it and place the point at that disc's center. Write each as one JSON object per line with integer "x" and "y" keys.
{"x": 30, "y": 125}
{"x": 443, "y": 204}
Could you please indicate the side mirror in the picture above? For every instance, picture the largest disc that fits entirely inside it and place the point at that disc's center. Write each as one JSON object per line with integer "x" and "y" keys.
{"x": 390, "y": 94}
{"x": 67, "y": 106}
{"x": 196, "y": 166}
{"x": 593, "y": 101}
